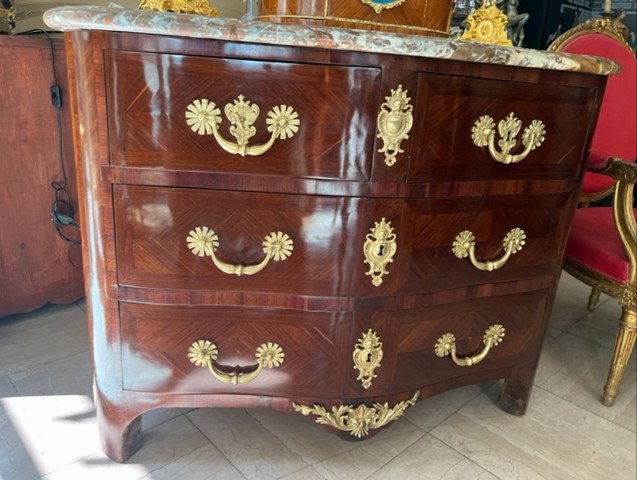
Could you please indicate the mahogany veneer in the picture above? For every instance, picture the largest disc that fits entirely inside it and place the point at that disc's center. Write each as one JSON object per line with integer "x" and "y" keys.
{"x": 148, "y": 180}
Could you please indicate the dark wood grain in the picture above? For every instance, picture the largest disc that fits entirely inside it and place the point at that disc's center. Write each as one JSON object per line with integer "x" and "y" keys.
{"x": 314, "y": 345}
{"x": 147, "y": 181}
{"x": 35, "y": 263}
{"x": 149, "y": 95}
{"x": 451, "y": 105}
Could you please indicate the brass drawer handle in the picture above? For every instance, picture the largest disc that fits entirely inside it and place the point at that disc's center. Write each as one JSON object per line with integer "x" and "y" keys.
{"x": 203, "y": 353}
{"x": 357, "y": 420}
{"x": 446, "y": 345}
{"x": 203, "y": 117}
{"x": 464, "y": 245}
{"x": 203, "y": 241}
{"x": 483, "y": 134}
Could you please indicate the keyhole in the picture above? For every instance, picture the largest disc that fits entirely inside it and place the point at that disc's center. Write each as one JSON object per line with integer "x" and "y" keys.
{"x": 381, "y": 248}
{"x": 369, "y": 357}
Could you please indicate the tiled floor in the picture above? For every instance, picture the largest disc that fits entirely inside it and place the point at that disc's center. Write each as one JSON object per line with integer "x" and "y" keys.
{"x": 47, "y": 425}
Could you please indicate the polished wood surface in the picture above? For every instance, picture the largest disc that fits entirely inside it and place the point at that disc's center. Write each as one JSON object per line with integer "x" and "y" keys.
{"x": 159, "y": 137}
{"x": 149, "y": 298}
{"x": 424, "y": 17}
{"x": 450, "y": 106}
{"x": 35, "y": 263}
{"x": 315, "y": 346}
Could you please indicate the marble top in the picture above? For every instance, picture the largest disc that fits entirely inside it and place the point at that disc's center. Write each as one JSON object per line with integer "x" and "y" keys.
{"x": 198, "y": 26}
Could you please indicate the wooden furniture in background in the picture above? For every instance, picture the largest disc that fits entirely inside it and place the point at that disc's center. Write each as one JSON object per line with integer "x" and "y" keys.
{"x": 418, "y": 17}
{"x": 356, "y": 247}
{"x": 34, "y": 264}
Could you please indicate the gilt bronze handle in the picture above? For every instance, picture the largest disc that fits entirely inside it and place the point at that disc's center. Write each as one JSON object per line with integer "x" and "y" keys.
{"x": 483, "y": 134}
{"x": 464, "y": 245}
{"x": 203, "y": 117}
{"x": 203, "y": 241}
{"x": 446, "y": 345}
{"x": 203, "y": 353}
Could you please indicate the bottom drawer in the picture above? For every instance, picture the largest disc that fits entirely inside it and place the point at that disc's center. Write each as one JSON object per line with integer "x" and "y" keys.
{"x": 157, "y": 340}
{"x": 413, "y": 340}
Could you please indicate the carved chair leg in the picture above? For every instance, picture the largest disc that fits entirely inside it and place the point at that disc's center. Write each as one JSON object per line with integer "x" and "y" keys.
{"x": 593, "y": 299}
{"x": 623, "y": 348}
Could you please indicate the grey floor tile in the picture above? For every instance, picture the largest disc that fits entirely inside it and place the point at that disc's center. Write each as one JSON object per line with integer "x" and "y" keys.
{"x": 554, "y": 440}
{"x": 153, "y": 418}
{"x": 570, "y": 302}
{"x": 174, "y": 450}
{"x": 255, "y": 451}
{"x": 40, "y": 337}
{"x": 302, "y": 435}
{"x": 306, "y": 474}
{"x": 41, "y": 434}
{"x": 432, "y": 411}
{"x": 15, "y": 459}
{"x": 7, "y": 388}
{"x": 368, "y": 456}
{"x": 599, "y": 326}
{"x": 66, "y": 376}
{"x": 430, "y": 459}
{"x": 575, "y": 369}
{"x": 82, "y": 304}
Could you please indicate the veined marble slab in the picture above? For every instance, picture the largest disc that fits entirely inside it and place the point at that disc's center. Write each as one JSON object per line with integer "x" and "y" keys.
{"x": 197, "y": 26}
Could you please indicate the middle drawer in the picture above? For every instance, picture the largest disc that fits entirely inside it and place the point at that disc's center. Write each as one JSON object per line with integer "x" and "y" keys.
{"x": 196, "y": 239}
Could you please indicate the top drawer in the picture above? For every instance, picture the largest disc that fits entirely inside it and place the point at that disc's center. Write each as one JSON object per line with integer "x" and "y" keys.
{"x": 328, "y": 122}
{"x": 450, "y": 109}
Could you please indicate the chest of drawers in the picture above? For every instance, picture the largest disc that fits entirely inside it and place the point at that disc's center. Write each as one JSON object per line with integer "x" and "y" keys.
{"x": 317, "y": 230}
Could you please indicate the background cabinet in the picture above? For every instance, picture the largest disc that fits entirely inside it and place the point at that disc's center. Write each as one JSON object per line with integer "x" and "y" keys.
{"x": 35, "y": 263}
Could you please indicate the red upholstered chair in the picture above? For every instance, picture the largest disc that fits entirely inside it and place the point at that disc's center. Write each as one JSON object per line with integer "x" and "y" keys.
{"x": 617, "y": 124}
{"x": 602, "y": 247}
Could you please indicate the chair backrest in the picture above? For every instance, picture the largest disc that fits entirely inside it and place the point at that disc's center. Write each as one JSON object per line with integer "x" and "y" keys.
{"x": 616, "y": 131}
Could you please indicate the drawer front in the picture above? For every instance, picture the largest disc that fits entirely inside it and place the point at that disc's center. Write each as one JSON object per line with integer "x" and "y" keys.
{"x": 157, "y": 341}
{"x": 330, "y": 132}
{"x": 442, "y": 224}
{"x": 410, "y": 339}
{"x": 325, "y": 237}
{"x": 448, "y": 108}
{"x": 161, "y": 235}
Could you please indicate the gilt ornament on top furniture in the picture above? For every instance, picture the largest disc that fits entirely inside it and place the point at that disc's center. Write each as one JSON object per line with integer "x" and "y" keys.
{"x": 198, "y": 7}
{"x": 380, "y": 5}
